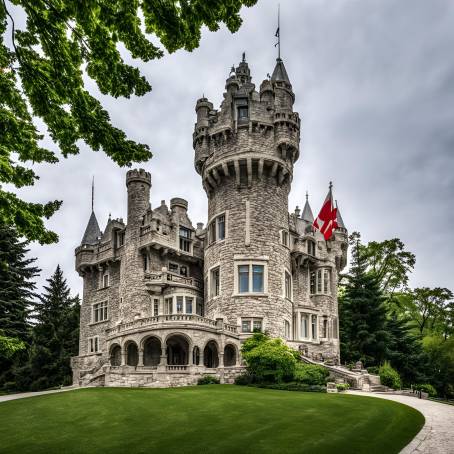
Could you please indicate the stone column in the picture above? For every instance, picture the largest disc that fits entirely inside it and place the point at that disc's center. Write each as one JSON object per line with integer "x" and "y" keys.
{"x": 123, "y": 358}
{"x": 140, "y": 361}
{"x": 163, "y": 361}
{"x": 221, "y": 359}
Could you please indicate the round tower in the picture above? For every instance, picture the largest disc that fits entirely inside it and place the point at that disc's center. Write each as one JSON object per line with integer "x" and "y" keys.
{"x": 138, "y": 183}
{"x": 245, "y": 158}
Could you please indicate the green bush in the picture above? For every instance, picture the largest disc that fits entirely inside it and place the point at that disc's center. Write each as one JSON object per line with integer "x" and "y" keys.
{"x": 374, "y": 370}
{"x": 426, "y": 388}
{"x": 342, "y": 386}
{"x": 310, "y": 374}
{"x": 208, "y": 380}
{"x": 269, "y": 360}
{"x": 244, "y": 379}
{"x": 389, "y": 377}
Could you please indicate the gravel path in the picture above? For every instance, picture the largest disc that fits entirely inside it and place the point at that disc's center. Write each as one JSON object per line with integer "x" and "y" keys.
{"x": 437, "y": 435}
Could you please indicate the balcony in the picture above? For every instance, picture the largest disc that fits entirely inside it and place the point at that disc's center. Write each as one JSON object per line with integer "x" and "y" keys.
{"x": 168, "y": 279}
{"x": 172, "y": 320}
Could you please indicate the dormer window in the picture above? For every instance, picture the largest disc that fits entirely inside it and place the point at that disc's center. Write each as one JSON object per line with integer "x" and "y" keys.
{"x": 311, "y": 247}
{"x": 243, "y": 112}
{"x": 185, "y": 239}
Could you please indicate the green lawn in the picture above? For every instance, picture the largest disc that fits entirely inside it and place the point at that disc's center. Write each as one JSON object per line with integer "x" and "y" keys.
{"x": 204, "y": 419}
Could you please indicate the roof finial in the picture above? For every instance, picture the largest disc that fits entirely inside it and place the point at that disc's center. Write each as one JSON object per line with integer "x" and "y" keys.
{"x": 244, "y": 57}
{"x": 92, "y": 194}
{"x": 278, "y": 32}
{"x": 307, "y": 195}
{"x": 330, "y": 185}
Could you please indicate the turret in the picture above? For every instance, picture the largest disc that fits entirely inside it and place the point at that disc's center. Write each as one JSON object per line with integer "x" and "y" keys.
{"x": 92, "y": 233}
{"x": 138, "y": 182}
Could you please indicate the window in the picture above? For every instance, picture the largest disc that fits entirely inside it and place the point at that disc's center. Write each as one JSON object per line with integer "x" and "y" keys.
{"x": 215, "y": 282}
{"x": 168, "y": 305}
{"x": 335, "y": 335}
{"x": 179, "y": 304}
{"x": 199, "y": 306}
{"x": 250, "y": 325}
{"x": 155, "y": 307}
{"x": 93, "y": 344}
{"x": 284, "y": 238}
{"x": 312, "y": 282}
{"x": 325, "y": 327}
{"x": 311, "y": 247}
{"x": 304, "y": 326}
{"x": 185, "y": 239}
{"x": 105, "y": 280}
{"x": 314, "y": 327}
{"x": 243, "y": 112}
{"x": 100, "y": 312}
{"x": 216, "y": 229}
{"x": 120, "y": 239}
{"x": 173, "y": 267}
{"x": 189, "y": 305}
{"x": 251, "y": 278}
{"x": 286, "y": 329}
{"x": 184, "y": 271}
{"x": 288, "y": 285}
{"x": 146, "y": 262}
{"x": 320, "y": 281}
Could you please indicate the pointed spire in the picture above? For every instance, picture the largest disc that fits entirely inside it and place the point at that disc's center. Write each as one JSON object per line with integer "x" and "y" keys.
{"x": 92, "y": 232}
{"x": 307, "y": 211}
{"x": 280, "y": 73}
{"x": 340, "y": 221}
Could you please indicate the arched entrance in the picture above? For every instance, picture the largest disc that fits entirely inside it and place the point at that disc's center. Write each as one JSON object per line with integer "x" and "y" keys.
{"x": 132, "y": 354}
{"x": 151, "y": 352}
{"x": 177, "y": 350}
{"x": 229, "y": 355}
{"x": 115, "y": 355}
{"x": 210, "y": 355}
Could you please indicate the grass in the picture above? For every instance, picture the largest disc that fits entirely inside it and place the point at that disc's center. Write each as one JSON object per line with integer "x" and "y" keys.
{"x": 204, "y": 419}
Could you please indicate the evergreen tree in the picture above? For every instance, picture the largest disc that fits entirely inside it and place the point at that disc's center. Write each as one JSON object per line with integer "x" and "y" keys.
{"x": 16, "y": 300}
{"x": 362, "y": 314}
{"x": 55, "y": 335}
{"x": 405, "y": 351}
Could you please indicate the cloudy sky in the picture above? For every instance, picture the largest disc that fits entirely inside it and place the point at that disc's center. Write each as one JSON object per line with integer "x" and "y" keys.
{"x": 374, "y": 85}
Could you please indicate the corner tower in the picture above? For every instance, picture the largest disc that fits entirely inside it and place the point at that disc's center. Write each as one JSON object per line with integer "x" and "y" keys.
{"x": 245, "y": 153}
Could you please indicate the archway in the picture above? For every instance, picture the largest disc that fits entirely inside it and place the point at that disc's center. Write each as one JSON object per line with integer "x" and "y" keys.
{"x": 151, "y": 352}
{"x": 196, "y": 356}
{"x": 210, "y": 355}
{"x": 132, "y": 354}
{"x": 115, "y": 355}
{"x": 177, "y": 350}
{"x": 229, "y": 355}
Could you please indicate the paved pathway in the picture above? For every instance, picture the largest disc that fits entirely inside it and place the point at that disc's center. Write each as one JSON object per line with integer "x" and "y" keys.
{"x": 437, "y": 435}
{"x": 7, "y": 397}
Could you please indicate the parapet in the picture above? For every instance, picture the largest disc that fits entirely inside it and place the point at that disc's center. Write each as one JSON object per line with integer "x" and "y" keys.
{"x": 138, "y": 175}
{"x": 178, "y": 202}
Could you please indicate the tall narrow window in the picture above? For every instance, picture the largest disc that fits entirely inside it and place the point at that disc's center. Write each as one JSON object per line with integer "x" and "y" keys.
{"x": 212, "y": 232}
{"x": 311, "y": 247}
{"x": 326, "y": 281}
{"x": 215, "y": 282}
{"x": 257, "y": 278}
{"x": 185, "y": 239}
{"x": 312, "y": 282}
{"x": 284, "y": 238}
{"x": 304, "y": 326}
{"x": 199, "y": 306}
{"x": 243, "y": 278}
{"x": 335, "y": 331}
{"x": 288, "y": 285}
{"x": 286, "y": 329}
{"x": 105, "y": 280}
{"x": 243, "y": 113}
{"x": 221, "y": 227}
{"x": 189, "y": 301}
{"x": 179, "y": 304}
{"x": 314, "y": 327}
{"x": 319, "y": 281}
{"x": 325, "y": 327}
{"x": 155, "y": 307}
{"x": 168, "y": 306}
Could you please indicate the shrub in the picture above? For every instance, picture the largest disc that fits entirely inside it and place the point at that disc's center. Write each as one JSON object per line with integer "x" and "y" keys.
{"x": 389, "y": 376}
{"x": 426, "y": 388}
{"x": 208, "y": 380}
{"x": 374, "y": 370}
{"x": 292, "y": 386}
{"x": 342, "y": 386}
{"x": 310, "y": 374}
{"x": 244, "y": 379}
{"x": 269, "y": 360}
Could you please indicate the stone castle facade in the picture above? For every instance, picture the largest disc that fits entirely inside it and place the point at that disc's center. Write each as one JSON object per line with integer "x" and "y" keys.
{"x": 165, "y": 302}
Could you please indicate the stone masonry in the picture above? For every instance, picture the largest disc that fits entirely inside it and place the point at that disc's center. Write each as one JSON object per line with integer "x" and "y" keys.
{"x": 165, "y": 303}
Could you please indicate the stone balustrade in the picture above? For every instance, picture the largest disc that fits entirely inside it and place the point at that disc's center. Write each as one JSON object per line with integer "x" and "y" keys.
{"x": 168, "y": 278}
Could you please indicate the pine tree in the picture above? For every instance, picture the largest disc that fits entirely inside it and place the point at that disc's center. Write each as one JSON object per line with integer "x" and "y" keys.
{"x": 16, "y": 300}
{"x": 55, "y": 335}
{"x": 362, "y": 314}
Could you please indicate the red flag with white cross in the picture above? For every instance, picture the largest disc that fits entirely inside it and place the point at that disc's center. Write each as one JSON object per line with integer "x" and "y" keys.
{"x": 326, "y": 221}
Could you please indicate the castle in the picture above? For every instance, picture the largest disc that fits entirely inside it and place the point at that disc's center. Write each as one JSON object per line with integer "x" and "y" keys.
{"x": 165, "y": 303}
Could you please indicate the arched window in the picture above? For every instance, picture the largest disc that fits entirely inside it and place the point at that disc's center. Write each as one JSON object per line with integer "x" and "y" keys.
{"x": 210, "y": 355}
{"x": 115, "y": 356}
{"x": 286, "y": 329}
{"x": 132, "y": 354}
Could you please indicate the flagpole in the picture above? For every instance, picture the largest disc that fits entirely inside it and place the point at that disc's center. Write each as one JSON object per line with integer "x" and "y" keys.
{"x": 279, "y": 30}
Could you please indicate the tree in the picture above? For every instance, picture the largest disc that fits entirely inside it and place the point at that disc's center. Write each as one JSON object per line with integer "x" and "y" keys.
{"x": 9, "y": 346}
{"x": 41, "y": 75}
{"x": 432, "y": 309}
{"x": 362, "y": 313}
{"x": 55, "y": 335}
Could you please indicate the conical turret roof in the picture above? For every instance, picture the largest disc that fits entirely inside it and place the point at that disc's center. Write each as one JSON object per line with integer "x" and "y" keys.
{"x": 280, "y": 73}
{"x": 307, "y": 212}
{"x": 340, "y": 221}
{"x": 92, "y": 232}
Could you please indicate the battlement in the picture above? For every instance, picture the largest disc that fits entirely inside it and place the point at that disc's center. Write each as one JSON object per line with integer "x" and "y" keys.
{"x": 138, "y": 175}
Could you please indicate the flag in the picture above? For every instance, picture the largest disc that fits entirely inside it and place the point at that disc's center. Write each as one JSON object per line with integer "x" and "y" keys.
{"x": 326, "y": 220}
{"x": 277, "y": 33}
